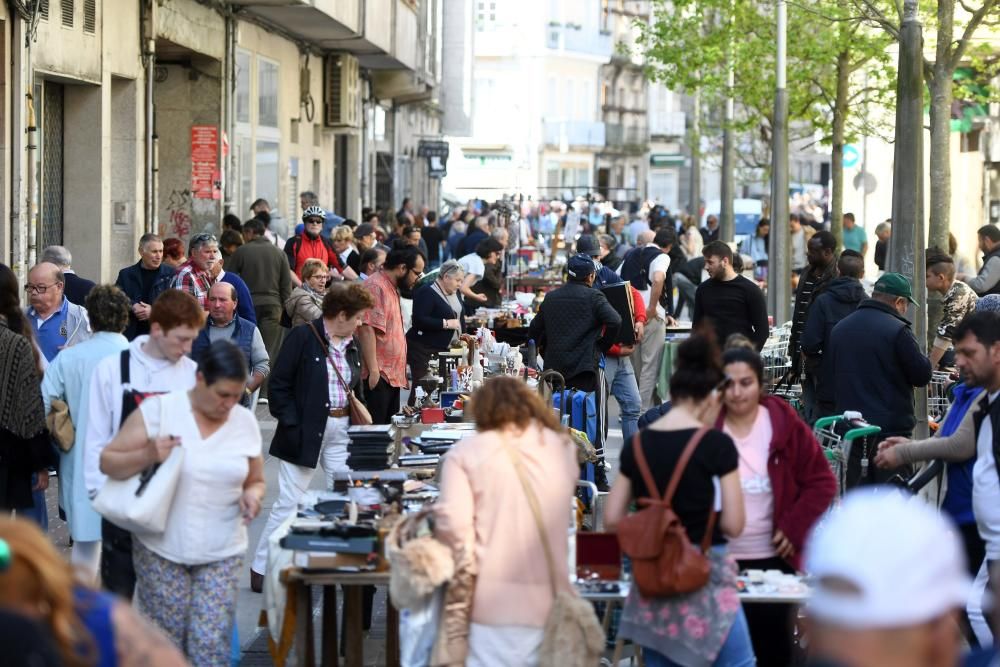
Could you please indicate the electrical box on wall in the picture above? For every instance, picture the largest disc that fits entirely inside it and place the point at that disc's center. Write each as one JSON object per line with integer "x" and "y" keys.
{"x": 342, "y": 90}
{"x": 122, "y": 216}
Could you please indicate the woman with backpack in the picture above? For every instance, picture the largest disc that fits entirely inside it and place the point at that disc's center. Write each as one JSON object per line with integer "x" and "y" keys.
{"x": 702, "y": 622}
{"x": 787, "y": 485}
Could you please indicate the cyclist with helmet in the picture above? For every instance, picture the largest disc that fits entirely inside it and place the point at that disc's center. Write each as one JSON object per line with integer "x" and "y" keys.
{"x": 310, "y": 244}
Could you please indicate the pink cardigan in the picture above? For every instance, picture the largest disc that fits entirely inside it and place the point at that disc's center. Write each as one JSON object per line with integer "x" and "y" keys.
{"x": 483, "y": 504}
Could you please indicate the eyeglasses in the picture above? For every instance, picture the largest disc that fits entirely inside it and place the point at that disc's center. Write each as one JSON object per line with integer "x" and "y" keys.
{"x": 417, "y": 274}
{"x": 38, "y": 289}
{"x": 202, "y": 239}
{"x": 314, "y": 221}
{"x": 321, "y": 276}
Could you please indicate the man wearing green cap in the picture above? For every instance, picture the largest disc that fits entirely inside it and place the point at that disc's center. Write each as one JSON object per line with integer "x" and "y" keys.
{"x": 877, "y": 363}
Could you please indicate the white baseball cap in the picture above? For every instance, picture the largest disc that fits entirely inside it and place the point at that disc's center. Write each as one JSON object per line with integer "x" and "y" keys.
{"x": 884, "y": 559}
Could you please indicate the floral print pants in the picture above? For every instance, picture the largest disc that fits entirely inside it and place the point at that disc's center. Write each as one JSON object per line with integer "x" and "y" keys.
{"x": 193, "y": 604}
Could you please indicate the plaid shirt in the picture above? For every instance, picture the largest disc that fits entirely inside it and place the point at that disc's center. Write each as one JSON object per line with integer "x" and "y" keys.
{"x": 337, "y": 353}
{"x": 193, "y": 281}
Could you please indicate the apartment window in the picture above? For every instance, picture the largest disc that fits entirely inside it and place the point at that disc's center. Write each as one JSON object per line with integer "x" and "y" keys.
{"x": 267, "y": 93}
{"x": 604, "y": 94}
{"x": 551, "y": 97}
{"x": 242, "y": 86}
{"x": 43, "y": 10}
{"x": 244, "y": 160}
{"x": 266, "y": 161}
{"x": 67, "y": 13}
{"x": 90, "y": 16}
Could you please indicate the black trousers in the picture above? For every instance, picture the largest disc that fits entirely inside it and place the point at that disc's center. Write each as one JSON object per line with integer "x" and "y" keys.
{"x": 382, "y": 401}
{"x": 975, "y": 553}
{"x": 418, "y": 357}
{"x": 117, "y": 569}
{"x": 857, "y": 476}
{"x": 771, "y": 625}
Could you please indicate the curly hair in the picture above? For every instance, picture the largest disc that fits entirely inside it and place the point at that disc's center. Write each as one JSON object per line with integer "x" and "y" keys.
{"x": 108, "y": 308}
{"x": 39, "y": 578}
{"x": 506, "y": 401}
{"x": 342, "y": 233}
{"x": 349, "y": 299}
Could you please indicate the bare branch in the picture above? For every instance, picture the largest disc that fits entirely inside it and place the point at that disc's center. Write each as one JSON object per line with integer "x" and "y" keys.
{"x": 975, "y": 20}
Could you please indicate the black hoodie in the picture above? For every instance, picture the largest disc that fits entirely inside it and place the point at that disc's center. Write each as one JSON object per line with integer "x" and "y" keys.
{"x": 838, "y": 300}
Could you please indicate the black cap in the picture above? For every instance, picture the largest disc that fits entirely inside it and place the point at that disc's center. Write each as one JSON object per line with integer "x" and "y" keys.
{"x": 588, "y": 245}
{"x": 580, "y": 266}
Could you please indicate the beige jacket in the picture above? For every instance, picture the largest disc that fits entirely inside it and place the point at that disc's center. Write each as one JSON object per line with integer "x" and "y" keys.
{"x": 959, "y": 446}
{"x": 304, "y": 306}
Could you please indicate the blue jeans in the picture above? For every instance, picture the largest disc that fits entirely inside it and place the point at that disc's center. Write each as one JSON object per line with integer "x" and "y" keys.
{"x": 736, "y": 652}
{"x": 40, "y": 512}
{"x": 625, "y": 389}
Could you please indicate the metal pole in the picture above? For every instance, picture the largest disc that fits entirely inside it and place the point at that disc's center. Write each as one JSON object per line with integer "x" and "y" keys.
{"x": 694, "y": 202}
{"x": 779, "y": 260}
{"x": 727, "y": 221}
{"x": 17, "y": 229}
{"x": 906, "y": 246}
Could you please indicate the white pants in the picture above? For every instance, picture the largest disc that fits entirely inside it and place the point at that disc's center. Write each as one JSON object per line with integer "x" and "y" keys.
{"x": 294, "y": 481}
{"x": 977, "y": 606}
{"x": 86, "y": 559}
{"x": 503, "y": 645}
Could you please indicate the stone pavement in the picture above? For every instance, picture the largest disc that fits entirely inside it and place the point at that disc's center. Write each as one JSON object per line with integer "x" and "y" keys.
{"x": 253, "y": 639}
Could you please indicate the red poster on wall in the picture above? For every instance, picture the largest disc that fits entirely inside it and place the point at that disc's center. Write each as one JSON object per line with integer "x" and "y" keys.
{"x": 204, "y": 160}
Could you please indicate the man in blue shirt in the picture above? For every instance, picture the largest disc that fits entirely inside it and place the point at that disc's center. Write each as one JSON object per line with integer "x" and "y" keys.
{"x": 57, "y": 322}
{"x": 854, "y": 236}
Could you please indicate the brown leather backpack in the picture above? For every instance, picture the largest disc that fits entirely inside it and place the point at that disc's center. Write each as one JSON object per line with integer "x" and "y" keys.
{"x": 664, "y": 562}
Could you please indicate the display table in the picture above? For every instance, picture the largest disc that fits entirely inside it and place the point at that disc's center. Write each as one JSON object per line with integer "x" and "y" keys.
{"x": 302, "y": 581}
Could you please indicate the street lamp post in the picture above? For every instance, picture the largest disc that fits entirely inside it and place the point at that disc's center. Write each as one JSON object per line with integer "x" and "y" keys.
{"x": 906, "y": 246}
{"x": 779, "y": 258}
{"x": 727, "y": 219}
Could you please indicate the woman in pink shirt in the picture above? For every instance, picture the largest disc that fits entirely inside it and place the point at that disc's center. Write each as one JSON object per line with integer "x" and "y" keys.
{"x": 787, "y": 485}
{"x": 483, "y": 511}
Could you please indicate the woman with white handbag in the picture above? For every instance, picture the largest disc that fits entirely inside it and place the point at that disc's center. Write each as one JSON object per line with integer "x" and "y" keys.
{"x": 187, "y": 575}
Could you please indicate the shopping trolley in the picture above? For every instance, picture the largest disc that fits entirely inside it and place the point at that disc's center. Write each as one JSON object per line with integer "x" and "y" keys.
{"x": 836, "y": 435}
{"x": 939, "y": 395}
{"x": 774, "y": 354}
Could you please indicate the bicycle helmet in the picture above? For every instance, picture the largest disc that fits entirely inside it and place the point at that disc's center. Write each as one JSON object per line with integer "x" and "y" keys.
{"x": 313, "y": 212}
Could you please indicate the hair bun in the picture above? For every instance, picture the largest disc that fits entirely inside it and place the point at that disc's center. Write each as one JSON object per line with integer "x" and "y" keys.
{"x": 698, "y": 351}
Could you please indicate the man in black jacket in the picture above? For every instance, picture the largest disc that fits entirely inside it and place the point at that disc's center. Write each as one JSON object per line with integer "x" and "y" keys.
{"x": 821, "y": 255}
{"x": 876, "y": 365}
{"x": 840, "y": 298}
{"x": 143, "y": 282}
{"x": 574, "y": 326}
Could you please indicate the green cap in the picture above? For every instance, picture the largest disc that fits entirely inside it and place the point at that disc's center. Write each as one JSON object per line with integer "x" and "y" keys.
{"x": 895, "y": 284}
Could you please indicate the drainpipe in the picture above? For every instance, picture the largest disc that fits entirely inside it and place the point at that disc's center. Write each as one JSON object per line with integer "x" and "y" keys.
{"x": 229, "y": 112}
{"x": 149, "y": 60}
{"x": 32, "y": 147}
{"x": 17, "y": 230}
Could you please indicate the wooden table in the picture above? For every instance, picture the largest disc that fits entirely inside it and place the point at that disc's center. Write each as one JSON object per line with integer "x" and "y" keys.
{"x": 353, "y": 584}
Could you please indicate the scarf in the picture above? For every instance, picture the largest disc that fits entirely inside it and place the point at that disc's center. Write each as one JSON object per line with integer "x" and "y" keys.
{"x": 21, "y": 410}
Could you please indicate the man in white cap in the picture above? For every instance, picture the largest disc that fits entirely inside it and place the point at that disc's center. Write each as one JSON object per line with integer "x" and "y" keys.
{"x": 889, "y": 583}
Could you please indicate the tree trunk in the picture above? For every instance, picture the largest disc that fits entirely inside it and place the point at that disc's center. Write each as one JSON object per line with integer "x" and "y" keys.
{"x": 940, "y": 117}
{"x": 840, "y": 111}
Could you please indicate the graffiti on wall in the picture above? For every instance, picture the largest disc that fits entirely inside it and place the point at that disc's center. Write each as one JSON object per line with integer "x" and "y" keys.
{"x": 179, "y": 214}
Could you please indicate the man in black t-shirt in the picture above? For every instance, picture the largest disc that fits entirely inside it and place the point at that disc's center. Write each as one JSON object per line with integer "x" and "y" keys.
{"x": 728, "y": 301}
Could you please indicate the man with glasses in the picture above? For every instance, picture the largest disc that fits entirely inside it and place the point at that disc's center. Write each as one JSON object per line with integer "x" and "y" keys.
{"x": 383, "y": 341}
{"x": 195, "y": 275}
{"x": 57, "y": 322}
{"x": 310, "y": 244}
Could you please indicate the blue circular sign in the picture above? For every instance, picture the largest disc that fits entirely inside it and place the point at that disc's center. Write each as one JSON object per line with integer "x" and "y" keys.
{"x": 851, "y": 155}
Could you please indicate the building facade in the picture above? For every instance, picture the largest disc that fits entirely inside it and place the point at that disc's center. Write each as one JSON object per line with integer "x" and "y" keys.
{"x": 125, "y": 117}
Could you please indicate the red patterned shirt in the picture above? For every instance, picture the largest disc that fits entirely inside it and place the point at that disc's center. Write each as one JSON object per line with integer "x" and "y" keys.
{"x": 337, "y": 354}
{"x": 386, "y": 320}
{"x": 194, "y": 281}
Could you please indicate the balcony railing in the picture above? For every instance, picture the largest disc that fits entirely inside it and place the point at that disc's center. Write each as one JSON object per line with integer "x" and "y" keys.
{"x": 574, "y": 133}
{"x": 574, "y": 38}
{"x": 620, "y": 136}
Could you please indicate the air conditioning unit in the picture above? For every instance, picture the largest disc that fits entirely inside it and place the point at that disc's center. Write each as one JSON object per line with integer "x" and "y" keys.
{"x": 342, "y": 91}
